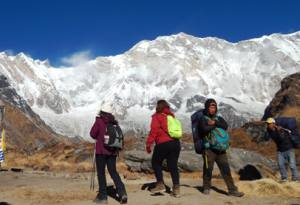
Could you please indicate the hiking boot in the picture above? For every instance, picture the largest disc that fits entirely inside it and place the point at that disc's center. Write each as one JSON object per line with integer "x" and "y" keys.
{"x": 122, "y": 195}
{"x": 160, "y": 187}
{"x": 176, "y": 191}
{"x": 123, "y": 199}
{"x": 206, "y": 191}
{"x": 236, "y": 193}
{"x": 100, "y": 199}
{"x": 283, "y": 181}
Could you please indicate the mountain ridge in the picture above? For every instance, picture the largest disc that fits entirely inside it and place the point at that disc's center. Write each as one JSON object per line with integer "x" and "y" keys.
{"x": 181, "y": 68}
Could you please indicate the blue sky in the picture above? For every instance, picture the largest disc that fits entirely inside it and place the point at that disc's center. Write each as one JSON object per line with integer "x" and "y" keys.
{"x": 60, "y": 29}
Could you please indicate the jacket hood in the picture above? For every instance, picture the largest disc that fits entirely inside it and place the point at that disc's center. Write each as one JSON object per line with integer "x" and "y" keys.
{"x": 107, "y": 117}
{"x": 166, "y": 111}
{"x": 208, "y": 102}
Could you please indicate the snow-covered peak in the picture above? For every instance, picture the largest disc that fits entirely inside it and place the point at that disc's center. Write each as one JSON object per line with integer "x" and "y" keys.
{"x": 180, "y": 68}
{"x": 3, "y": 55}
{"x": 23, "y": 56}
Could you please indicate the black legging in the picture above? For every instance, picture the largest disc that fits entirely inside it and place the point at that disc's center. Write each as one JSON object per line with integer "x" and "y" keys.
{"x": 110, "y": 161}
{"x": 169, "y": 151}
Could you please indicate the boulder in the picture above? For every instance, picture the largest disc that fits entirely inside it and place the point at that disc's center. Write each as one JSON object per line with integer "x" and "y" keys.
{"x": 189, "y": 161}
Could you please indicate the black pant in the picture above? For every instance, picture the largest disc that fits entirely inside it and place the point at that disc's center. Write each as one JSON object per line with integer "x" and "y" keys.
{"x": 169, "y": 151}
{"x": 210, "y": 157}
{"x": 110, "y": 161}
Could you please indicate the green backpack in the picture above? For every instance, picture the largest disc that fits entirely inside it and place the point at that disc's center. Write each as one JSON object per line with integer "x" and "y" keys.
{"x": 218, "y": 138}
{"x": 174, "y": 127}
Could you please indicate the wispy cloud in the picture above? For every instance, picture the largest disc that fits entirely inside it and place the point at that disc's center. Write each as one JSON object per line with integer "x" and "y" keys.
{"x": 9, "y": 52}
{"x": 77, "y": 58}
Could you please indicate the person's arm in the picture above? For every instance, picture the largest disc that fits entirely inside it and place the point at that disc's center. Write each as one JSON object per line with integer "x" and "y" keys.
{"x": 284, "y": 130}
{"x": 95, "y": 130}
{"x": 204, "y": 126}
{"x": 155, "y": 126}
{"x": 221, "y": 123}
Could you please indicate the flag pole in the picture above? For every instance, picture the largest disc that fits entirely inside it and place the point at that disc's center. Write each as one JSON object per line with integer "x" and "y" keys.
{"x": 2, "y": 148}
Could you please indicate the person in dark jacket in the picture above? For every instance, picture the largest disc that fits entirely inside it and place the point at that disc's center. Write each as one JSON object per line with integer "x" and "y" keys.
{"x": 208, "y": 123}
{"x": 166, "y": 148}
{"x": 285, "y": 149}
{"x": 106, "y": 157}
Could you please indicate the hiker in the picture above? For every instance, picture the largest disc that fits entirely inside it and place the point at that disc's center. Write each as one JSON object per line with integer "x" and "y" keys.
{"x": 278, "y": 130}
{"x": 105, "y": 156}
{"x": 211, "y": 124}
{"x": 167, "y": 147}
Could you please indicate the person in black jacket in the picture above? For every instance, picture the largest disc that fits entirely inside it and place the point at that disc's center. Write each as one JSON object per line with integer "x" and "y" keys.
{"x": 208, "y": 123}
{"x": 285, "y": 149}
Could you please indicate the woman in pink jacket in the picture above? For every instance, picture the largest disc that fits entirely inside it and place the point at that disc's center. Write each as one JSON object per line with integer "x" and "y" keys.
{"x": 106, "y": 157}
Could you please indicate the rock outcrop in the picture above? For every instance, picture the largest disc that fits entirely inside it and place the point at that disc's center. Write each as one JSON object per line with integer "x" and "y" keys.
{"x": 287, "y": 100}
{"x": 138, "y": 160}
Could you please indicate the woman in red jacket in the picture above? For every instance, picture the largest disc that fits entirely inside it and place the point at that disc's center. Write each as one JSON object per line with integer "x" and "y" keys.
{"x": 166, "y": 148}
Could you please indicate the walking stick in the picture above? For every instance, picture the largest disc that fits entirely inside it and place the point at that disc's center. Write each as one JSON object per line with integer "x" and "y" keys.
{"x": 92, "y": 184}
{"x": 205, "y": 155}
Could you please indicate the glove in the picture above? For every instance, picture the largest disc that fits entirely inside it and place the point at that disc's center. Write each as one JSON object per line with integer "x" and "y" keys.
{"x": 206, "y": 145}
{"x": 148, "y": 149}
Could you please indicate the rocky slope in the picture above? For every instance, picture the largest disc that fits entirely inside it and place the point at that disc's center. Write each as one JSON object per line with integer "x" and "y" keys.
{"x": 287, "y": 100}
{"x": 24, "y": 129}
{"x": 286, "y": 103}
{"x": 31, "y": 143}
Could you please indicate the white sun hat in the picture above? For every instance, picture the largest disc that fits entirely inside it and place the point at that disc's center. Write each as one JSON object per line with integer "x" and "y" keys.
{"x": 107, "y": 108}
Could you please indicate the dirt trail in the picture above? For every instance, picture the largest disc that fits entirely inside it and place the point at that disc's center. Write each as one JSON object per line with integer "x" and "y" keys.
{"x": 42, "y": 188}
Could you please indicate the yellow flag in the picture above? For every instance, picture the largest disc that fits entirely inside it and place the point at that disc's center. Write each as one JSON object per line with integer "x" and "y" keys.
{"x": 3, "y": 140}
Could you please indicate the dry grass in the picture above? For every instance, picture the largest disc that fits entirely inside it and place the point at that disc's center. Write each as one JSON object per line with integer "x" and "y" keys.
{"x": 269, "y": 187}
{"x": 240, "y": 139}
{"x": 46, "y": 163}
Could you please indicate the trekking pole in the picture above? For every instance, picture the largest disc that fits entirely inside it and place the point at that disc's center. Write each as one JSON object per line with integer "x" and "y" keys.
{"x": 206, "y": 162}
{"x": 205, "y": 156}
{"x": 92, "y": 184}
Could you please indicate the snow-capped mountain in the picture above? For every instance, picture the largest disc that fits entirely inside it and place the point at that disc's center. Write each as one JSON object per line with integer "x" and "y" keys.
{"x": 182, "y": 69}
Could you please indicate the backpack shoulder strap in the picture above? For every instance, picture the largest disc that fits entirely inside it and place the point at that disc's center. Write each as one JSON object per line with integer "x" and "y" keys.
{"x": 209, "y": 118}
{"x": 160, "y": 123}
